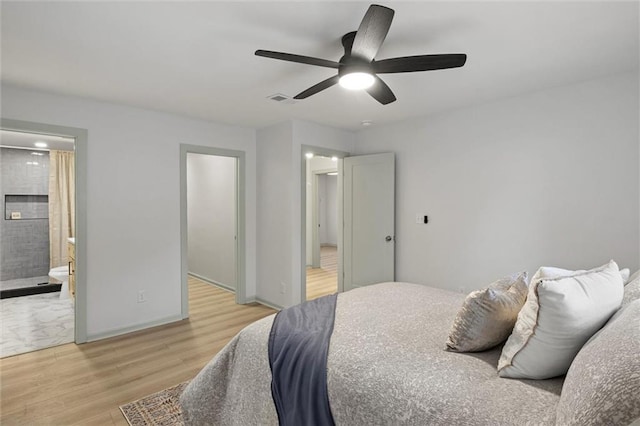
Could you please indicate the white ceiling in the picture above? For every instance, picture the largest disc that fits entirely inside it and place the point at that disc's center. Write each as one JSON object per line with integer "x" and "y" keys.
{"x": 196, "y": 58}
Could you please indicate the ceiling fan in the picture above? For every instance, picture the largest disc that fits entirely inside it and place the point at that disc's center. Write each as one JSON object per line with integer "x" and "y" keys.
{"x": 358, "y": 69}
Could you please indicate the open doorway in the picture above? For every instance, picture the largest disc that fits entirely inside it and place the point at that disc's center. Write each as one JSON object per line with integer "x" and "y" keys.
{"x": 38, "y": 228}
{"x": 212, "y": 221}
{"x": 365, "y": 218}
{"x": 322, "y": 226}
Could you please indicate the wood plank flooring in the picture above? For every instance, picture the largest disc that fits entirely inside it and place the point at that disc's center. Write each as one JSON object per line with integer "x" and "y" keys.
{"x": 85, "y": 384}
{"x": 324, "y": 280}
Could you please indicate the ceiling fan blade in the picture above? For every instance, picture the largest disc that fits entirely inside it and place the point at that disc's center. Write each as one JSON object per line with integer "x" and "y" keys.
{"x": 325, "y": 84}
{"x": 381, "y": 92}
{"x": 298, "y": 58}
{"x": 419, "y": 63}
{"x": 372, "y": 32}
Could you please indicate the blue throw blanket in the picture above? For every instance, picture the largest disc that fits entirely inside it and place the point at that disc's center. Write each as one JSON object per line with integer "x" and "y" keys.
{"x": 298, "y": 348}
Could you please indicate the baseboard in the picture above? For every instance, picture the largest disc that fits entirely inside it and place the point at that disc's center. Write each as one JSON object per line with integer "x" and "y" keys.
{"x": 138, "y": 327}
{"x": 213, "y": 282}
{"x": 265, "y": 303}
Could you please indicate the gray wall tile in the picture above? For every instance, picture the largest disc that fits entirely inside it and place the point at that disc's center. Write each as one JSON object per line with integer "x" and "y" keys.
{"x": 25, "y": 242}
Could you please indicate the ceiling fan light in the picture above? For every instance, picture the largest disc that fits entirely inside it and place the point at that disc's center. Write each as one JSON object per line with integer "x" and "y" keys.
{"x": 357, "y": 80}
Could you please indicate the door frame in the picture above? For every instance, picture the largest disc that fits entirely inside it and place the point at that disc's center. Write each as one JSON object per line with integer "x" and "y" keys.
{"x": 325, "y": 152}
{"x": 80, "y": 159}
{"x": 241, "y": 297}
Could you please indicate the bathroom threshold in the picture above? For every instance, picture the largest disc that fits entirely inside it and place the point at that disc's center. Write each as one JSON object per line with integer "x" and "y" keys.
{"x": 29, "y": 291}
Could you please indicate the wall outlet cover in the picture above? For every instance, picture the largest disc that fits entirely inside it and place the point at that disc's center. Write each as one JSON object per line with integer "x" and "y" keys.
{"x": 16, "y": 215}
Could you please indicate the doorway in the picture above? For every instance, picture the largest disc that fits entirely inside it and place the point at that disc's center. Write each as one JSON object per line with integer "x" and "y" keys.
{"x": 365, "y": 217}
{"x": 322, "y": 227}
{"x": 43, "y": 229}
{"x": 321, "y": 247}
{"x": 212, "y": 220}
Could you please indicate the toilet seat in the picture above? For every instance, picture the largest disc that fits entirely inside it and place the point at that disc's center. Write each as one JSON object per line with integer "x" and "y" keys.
{"x": 60, "y": 269}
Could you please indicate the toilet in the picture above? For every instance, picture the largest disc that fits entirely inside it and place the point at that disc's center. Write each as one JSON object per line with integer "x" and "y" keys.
{"x": 61, "y": 273}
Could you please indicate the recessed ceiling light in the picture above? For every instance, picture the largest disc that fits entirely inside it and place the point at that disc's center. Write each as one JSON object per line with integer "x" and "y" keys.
{"x": 366, "y": 123}
{"x": 40, "y": 144}
{"x": 309, "y": 155}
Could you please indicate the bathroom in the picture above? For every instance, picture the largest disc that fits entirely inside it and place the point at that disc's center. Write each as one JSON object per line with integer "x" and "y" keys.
{"x": 37, "y": 188}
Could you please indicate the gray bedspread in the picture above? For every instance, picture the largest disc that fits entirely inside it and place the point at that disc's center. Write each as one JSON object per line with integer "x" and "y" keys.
{"x": 386, "y": 366}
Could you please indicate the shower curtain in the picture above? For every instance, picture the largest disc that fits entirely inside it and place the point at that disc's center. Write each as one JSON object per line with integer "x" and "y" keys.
{"x": 62, "y": 220}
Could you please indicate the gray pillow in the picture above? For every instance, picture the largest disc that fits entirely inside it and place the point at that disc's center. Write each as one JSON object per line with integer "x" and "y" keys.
{"x": 631, "y": 290}
{"x": 602, "y": 385}
{"x": 487, "y": 316}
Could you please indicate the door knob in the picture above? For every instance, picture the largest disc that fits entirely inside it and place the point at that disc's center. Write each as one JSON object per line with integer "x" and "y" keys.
{"x": 388, "y": 238}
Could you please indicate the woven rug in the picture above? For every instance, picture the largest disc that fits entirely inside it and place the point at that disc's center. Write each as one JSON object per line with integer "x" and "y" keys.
{"x": 159, "y": 409}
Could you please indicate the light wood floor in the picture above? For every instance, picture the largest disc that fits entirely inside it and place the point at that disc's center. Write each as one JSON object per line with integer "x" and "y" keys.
{"x": 85, "y": 384}
{"x": 324, "y": 280}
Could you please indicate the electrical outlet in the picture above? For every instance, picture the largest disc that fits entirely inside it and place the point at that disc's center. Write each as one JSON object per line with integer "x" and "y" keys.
{"x": 283, "y": 287}
{"x": 142, "y": 297}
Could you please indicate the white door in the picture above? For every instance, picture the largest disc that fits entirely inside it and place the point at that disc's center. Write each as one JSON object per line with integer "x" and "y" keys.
{"x": 369, "y": 217}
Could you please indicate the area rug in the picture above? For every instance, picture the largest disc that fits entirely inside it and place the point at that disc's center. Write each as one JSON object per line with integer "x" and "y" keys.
{"x": 159, "y": 409}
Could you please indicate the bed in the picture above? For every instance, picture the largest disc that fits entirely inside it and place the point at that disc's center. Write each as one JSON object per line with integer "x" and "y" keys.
{"x": 386, "y": 365}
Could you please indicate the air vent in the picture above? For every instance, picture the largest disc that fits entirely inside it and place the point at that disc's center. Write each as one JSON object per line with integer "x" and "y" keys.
{"x": 279, "y": 97}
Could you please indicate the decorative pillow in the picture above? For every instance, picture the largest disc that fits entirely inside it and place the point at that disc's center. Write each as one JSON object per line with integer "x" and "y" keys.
{"x": 553, "y": 272}
{"x": 603, "y": 384}
{"x": 631, "y": 290}
{"x": 559, "y": 316}
{"x": 624, "y": 273}
{"x": 487, "y": 316}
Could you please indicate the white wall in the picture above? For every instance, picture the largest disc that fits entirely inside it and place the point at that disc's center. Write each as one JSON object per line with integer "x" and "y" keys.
{"x": 550, "y": 178}
{"x": 274, "y": 223}
{"x": 133, "y": 208}
{"x": 327, "y": 193}
{"x": 280, "y": 219}
{"x": 331, "y": 225}
{"x": 322, "y": 209}
{"x": 211, "y": 217}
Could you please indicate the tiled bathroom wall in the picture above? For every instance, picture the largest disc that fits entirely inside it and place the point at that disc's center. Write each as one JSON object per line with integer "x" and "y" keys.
{"x": 24, "y": 242}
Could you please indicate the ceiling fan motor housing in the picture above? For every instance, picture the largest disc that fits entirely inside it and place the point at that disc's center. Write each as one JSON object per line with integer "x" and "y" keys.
{"x": 349, "y": 63}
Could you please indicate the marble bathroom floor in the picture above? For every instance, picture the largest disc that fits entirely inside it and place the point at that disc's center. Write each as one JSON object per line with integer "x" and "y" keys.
{"x": 35, "y": 322}
{"x": 23, "y": 282}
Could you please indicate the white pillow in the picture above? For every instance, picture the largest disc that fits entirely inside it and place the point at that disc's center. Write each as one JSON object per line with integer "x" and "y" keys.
{"x": 624, "y": 273}
{"x": 553, "y": 272}
{"x": 561, "y": 313}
